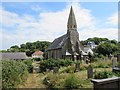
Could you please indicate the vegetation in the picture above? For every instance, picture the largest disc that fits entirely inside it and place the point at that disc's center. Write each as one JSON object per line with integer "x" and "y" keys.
{"x": 29, "y": 47}
{"x": 98, "y": 64}
{"x": 107, "y": 48}
{"x": 104, "y": 74}
{"x": 13, "y": 73}
{"x": 28, "y": 62}
{"x": 96, "y": 40}
{"x": 72, "y": 82}
{"x": 50, "y": 63}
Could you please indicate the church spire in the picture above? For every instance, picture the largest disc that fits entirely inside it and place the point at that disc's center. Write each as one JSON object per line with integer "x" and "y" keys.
{"x": 71, "y": 20}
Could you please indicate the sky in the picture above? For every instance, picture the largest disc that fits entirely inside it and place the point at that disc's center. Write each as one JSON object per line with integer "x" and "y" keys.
{"x": 23, "y": 22}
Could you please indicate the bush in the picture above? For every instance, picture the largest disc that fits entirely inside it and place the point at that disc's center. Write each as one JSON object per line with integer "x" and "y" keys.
{"x": 37, "y": 59}
{"x": 13, "y": 73}
{"x": 28, "y": 62}
{"x": 72, "y": 82}
{"x": 50, "y": 63}
{"x": 118, "y": 64}
{"x": 103, "y": 75}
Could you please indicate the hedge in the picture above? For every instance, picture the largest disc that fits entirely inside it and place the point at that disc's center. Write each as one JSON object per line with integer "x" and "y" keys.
{"x": 13, "y": 73}
{"x": 50, "y": 63}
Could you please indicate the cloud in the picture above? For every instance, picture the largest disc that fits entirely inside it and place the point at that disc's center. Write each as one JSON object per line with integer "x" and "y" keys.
{"x": 48, "y": 25}
{"x": 36, "y": 8}
{"x": 113, "y": 20}
{"x": 111, "y": 33}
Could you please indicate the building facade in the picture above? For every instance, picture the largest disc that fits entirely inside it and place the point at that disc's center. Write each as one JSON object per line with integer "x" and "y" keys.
{"x": 67, "y": 46}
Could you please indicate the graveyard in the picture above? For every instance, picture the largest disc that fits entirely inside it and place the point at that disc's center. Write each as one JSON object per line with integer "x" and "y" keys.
{"x": 69, "y": 61}
{"x": 78, "y": 75}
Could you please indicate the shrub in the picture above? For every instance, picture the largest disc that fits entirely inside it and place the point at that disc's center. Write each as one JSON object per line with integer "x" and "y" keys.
{"x": 72, "y": 82}
{"x": 104, "y": 74}
{"x": 28, "y": 62}
{"x": 118, "y": 64}
{"x": 13, "y": 73}
{"x": 50, "y": 63}
{"x": 37, "y": 59}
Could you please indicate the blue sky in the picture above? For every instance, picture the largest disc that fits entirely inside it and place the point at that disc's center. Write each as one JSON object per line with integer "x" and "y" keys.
{"x": 28, "y": 22}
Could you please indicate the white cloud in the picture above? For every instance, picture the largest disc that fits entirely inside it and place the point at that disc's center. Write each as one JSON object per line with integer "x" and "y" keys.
{"x": 113, "y": 20}
{"x": 111, "y": 33}
{"x": 48, "y": 26}
{"x": 36, "y": 8}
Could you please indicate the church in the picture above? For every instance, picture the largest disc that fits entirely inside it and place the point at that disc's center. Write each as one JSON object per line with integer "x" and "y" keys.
{"x": 67, "y": 46}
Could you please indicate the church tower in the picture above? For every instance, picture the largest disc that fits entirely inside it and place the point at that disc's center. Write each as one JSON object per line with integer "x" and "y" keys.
{"x": 73, "y": 43}
{"x": 71, "y": 20}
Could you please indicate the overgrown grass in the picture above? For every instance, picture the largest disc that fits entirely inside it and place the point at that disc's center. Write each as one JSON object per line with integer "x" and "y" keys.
{"x": 99, "y": 64}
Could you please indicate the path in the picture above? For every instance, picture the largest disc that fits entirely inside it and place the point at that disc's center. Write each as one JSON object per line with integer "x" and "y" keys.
{"x": 34, "y": 80}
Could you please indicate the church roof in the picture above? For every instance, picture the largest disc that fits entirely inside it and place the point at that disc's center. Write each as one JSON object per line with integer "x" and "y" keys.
{"x": 57, "y": 43}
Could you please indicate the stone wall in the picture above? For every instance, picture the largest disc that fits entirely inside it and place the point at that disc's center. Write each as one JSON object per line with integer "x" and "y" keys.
{"x": 113, "y": 82}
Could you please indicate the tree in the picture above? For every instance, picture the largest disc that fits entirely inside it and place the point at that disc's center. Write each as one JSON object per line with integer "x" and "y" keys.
{"x": 107, "y": 48}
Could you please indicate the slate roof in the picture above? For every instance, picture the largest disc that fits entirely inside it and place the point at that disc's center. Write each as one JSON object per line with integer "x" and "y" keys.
{"x": 57, "y": 43}
{"x": 13, "y": 56}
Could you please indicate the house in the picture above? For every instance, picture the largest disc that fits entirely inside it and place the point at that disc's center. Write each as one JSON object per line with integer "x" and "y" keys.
{"x": 92, "y": 45}
{"x": 37, "y": 54}
{"x": 13, "y": 56}
{"x": 67, "y": 46}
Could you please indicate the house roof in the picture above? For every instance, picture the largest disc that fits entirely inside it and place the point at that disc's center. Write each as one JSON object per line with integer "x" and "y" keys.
{"x": 13, "y": 55}
{"x": 38, "y": 53}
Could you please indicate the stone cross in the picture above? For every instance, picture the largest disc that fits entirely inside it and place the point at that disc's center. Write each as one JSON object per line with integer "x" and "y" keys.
{"x": 90, "y": 71}
{"x": 114, "y": 62}
{"x": 55, "y": 69}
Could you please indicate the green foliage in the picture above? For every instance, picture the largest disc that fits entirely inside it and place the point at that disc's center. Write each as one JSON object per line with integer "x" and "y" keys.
{"x": 118, "y": 64}
{"x": 96, "y": 40}
{"x": 107, "y": 48}
{"x": 28, "y": 62}
{"x": 117, "y": 74}
{"x": 50, "y": 63}
{"x": 37, "y": 59}
{"x": 104, "y": 74}
{"x": 72, "y": 82}
{"x": 30, "y": 47}
{"x": 13, "y": 73}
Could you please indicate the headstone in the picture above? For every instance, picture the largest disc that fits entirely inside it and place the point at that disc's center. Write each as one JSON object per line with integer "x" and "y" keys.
{"x": 87, "y": 61}
{"x": 55, "y": 69}
{"x": 114, "y": 62}
{"x": 77, "y": 67}
{"x": 118, "y": 57}
{"x": 90, "y": 71}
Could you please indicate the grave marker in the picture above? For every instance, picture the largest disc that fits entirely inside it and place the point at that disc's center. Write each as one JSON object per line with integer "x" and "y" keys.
{"x": 77, "y": 67}
{"x": 90, "y": 71}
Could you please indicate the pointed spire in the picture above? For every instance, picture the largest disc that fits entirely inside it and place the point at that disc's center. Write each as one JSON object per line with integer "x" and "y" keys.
{"x": 71, "y": 20}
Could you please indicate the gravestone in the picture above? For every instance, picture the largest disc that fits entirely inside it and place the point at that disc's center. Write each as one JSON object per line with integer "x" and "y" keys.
{"x": 114, "y": 62}
{"x": 90, "y": 71}
{"x": 77, "y": 67}
{"x": 55, "y": 69}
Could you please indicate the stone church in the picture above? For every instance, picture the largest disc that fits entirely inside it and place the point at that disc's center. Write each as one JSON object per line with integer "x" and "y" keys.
{"x": 67, "y": 46}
